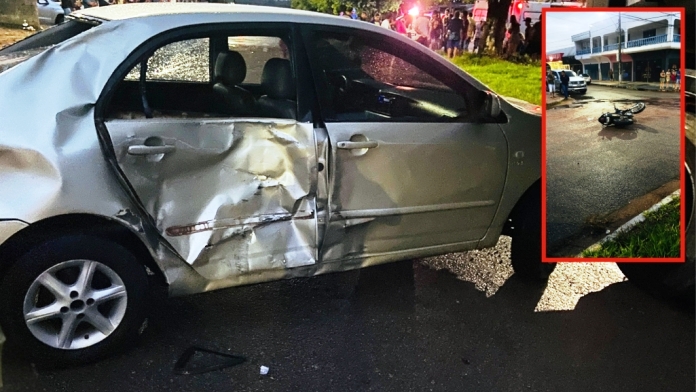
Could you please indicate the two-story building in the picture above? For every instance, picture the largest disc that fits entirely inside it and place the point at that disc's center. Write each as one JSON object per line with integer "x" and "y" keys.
{"x": 650, "y": 42}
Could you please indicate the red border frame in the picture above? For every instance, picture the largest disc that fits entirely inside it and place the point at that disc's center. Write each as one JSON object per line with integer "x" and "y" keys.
{"x": 682, "y": 153}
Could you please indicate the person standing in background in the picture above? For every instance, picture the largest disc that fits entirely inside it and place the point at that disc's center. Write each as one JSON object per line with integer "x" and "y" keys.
{"x": 435, "y": 31}
{"x": 68, "y": 6}
{"x": 470, "y": 31}
{"x": 663, "y": 78}
{"x": 454, "y": 34}
{"x": 565, "y": 79}
{"x": 386, "y": 21}
{"x": 514, "y": 39}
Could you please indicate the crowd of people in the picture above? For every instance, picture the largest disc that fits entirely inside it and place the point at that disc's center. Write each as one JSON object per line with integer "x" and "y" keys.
{"x": 670, "y": 78}
{"x": 454, "y": 31}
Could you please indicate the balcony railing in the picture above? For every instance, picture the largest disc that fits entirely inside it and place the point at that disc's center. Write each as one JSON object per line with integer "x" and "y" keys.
{"x": 615, "y": 46}
{"x": 658, "y": 39}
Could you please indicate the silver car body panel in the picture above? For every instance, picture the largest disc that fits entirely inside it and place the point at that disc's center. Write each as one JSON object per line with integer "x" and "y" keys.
{"x": 278, "y": 211}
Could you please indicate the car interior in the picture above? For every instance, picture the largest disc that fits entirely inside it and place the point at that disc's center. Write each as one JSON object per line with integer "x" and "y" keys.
{"x": 221, "y": 76}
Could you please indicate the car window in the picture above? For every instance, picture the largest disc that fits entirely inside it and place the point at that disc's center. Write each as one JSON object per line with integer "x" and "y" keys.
{"x": 256, "y": 52}
{"x": 364, "y": 79}
{"x": 186, "y": 60}
{"x": 215, "y": 76}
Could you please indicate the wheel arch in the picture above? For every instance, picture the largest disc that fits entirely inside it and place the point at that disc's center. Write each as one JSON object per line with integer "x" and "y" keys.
{"x": 531, "y": 195}
{"x": 95, "y": 225}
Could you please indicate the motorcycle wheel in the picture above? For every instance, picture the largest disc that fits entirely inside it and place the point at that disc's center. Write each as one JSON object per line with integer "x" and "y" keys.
{"x": 637, "y": 108}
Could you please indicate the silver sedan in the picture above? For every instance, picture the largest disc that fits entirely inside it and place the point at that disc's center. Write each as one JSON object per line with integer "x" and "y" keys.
{"x": 203, "y": 146}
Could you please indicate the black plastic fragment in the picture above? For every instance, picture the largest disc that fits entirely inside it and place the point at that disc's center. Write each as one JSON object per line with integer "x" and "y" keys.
{"x": 197, "y": 360}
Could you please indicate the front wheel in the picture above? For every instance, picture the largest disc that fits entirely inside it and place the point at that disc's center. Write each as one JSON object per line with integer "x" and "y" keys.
{"x": 637, "y": 108}
{"x": 73, "y": 300}
{"x": 526, "y": 240}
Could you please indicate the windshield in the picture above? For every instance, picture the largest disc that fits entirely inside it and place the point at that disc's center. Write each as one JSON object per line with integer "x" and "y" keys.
{"x": 39, "y": 42}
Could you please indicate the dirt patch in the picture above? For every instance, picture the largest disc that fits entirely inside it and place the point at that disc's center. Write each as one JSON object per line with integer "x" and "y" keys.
{"x": 9, "y": 36}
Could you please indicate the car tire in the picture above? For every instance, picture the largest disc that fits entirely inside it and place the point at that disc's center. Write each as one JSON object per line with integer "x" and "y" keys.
{"x": 60, "y": 19}
{"x": 84, "y": 296}
{"x": 526, "y": 241}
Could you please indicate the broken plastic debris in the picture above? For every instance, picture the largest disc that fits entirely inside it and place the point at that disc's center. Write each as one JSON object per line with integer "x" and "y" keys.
{"x": 264, "y": 370}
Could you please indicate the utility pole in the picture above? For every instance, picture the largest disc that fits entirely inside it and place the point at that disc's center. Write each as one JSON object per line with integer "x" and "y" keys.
{"x": 620, "y": 72}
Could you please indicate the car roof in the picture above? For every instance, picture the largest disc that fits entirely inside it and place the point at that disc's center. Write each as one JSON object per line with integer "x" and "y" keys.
{"x": 145, "y": 10}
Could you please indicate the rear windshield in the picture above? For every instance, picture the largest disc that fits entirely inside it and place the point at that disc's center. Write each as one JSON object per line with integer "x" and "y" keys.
{"x": 37, "y": 43}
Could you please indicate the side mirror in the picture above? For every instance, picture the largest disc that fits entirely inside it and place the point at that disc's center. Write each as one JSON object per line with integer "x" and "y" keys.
{"x": 492, "y": 105}
{"x": 42, "y": 2}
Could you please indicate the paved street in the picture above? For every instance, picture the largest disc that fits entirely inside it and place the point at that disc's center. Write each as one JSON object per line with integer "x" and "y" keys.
{"x": 593, "y": 171}
{"x": 407, "y": 327}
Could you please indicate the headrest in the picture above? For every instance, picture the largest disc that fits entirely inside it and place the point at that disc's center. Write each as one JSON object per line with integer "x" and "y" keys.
{"x": 230, "y": 68}
{"x": 277, "y": 80}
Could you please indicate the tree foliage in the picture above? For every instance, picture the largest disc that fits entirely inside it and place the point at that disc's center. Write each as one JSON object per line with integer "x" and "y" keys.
{"x": 333, "y": 6}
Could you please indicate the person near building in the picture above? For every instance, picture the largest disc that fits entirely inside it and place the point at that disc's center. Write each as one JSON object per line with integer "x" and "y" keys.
{"x": 386, "y": 21}
{"x": 551, "y": 82}
{"x": 454, "y": 34}
{"x": 565, "y": 79}
{"x": 673, "y": 79}
{"x": 677, "y": 83}
{"x": 663, "y": 78}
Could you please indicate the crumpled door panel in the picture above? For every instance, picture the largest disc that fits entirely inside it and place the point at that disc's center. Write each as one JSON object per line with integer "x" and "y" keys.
{"x": 230, "y": 196}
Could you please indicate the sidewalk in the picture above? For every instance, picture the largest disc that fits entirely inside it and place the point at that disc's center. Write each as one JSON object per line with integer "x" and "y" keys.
{"x": 641, "y": 86}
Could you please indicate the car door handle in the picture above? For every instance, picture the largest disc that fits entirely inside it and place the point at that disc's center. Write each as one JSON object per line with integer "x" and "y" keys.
{"x": 356, "y": 145}
{"x": 149, "y": 150}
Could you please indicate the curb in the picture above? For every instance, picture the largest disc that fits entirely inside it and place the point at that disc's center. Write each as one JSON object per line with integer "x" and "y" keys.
{"x": 631, "y": 223}
{"x": 629, "y": 87}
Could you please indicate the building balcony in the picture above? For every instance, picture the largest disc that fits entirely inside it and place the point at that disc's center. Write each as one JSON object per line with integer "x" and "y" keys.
{"x": 676, "y": 38}
{"x": 597, "y": 49}
{"x": 658, "y": 39}
{"x": 580, "y": 52}
{"x": 610, "y": 47}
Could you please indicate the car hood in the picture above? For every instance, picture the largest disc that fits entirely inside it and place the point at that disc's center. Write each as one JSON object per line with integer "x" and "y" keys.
{"x": 525, "y": 106}
{"x": 577, "y": 79}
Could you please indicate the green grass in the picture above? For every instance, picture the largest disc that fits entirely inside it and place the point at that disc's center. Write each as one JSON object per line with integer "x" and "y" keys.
{"x": 522, "y": 81}
{"x": 657, "y": 236}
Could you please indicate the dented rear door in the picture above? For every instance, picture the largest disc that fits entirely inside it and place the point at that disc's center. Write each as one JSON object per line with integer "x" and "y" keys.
{"x": 232, "y": 196}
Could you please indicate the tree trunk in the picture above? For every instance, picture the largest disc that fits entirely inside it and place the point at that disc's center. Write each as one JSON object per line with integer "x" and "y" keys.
{"x": 498, "y": 14}
{"x": 15, "y": 12}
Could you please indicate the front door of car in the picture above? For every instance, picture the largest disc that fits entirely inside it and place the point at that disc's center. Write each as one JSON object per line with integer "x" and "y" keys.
{"x": 411, "y": 169}
{"x": 207, "y": 137}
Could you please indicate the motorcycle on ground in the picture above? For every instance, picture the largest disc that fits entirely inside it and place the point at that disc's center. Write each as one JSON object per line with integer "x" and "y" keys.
{"x": 621, "y": 117}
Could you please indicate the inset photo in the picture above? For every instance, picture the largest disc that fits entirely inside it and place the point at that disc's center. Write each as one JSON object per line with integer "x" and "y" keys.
{"x": 613, "y": 131}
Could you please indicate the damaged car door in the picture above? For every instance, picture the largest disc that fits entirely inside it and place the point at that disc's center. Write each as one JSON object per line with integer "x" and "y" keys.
{"x": 416, "y": 169}
{"x": 204, "y": 129}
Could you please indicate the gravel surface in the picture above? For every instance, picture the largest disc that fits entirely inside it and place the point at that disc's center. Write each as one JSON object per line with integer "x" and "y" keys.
{"x": 488, "y": 269}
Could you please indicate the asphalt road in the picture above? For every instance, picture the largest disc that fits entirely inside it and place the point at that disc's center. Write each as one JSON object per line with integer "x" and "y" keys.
{"x": 592, "y": 171}
{"x": 406, "y": 327}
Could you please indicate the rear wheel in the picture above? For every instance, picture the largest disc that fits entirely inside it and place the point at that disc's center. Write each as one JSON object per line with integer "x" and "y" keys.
{"x": 60, "y": 19}
{"x": 73, "y": 300}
